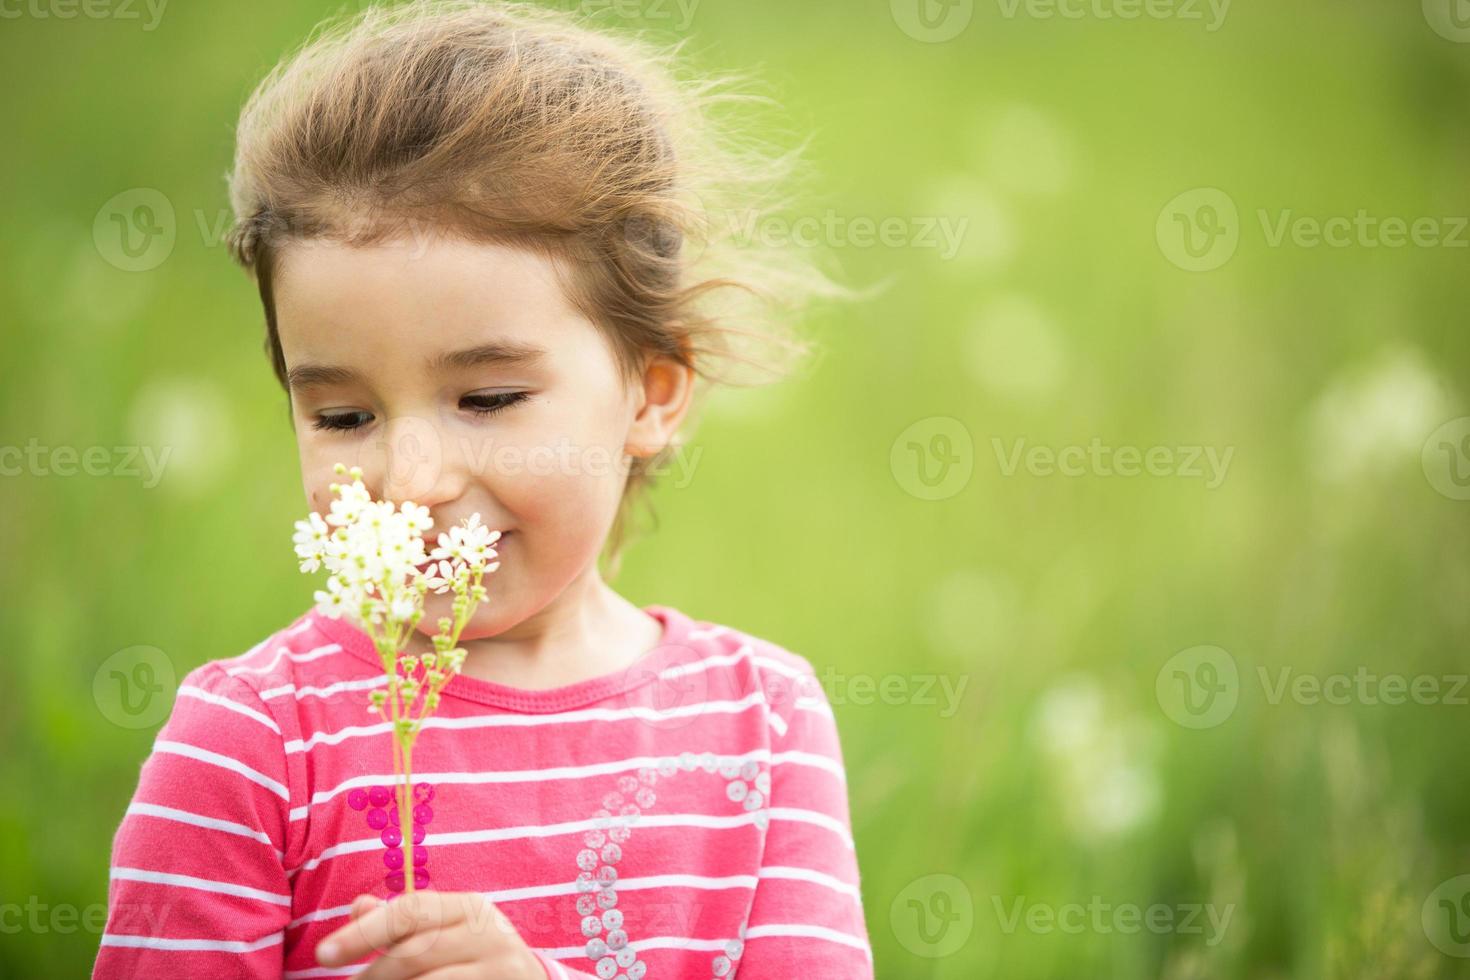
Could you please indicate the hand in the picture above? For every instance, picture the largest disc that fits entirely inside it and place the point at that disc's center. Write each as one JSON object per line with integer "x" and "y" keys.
{"x": 434, "y": 935}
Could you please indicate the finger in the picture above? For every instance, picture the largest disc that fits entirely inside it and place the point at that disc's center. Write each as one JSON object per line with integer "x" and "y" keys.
{"x": 429, "y": 950}
{"x": 363, "y": 904}
{"x": 392, "y": 922}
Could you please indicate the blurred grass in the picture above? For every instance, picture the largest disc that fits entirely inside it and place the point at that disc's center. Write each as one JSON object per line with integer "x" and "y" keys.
{"x": 1324, "y": 828}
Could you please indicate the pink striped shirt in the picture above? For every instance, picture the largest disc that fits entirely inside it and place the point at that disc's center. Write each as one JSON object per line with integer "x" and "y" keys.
{"x": 684, "y": 818}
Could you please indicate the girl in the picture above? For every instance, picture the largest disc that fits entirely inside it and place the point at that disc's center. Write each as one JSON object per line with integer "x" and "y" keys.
{"x": 481, "y": 235}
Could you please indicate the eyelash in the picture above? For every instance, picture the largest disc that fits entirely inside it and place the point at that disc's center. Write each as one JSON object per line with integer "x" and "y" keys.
{"x": 502, "y": 401}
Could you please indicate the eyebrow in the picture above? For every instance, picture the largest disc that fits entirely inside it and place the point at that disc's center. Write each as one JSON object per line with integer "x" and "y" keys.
{"x": 497, "y": 352}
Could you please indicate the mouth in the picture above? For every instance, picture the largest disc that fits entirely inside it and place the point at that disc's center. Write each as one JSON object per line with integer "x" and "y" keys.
{"x": 499, "y": 546}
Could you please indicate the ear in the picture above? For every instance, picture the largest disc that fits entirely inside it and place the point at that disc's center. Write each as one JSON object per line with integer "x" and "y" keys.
{"x": 667, "y": 388}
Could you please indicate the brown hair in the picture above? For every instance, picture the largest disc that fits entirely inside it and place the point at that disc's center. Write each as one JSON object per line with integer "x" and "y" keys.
{"x": 505, "y": 122}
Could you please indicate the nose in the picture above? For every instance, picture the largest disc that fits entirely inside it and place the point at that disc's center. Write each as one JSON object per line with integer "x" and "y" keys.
{"x": 410, "y": 462}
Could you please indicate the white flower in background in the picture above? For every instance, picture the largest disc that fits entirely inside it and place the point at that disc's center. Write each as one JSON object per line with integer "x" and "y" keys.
{"x": 378, "y": 576}
{"x": 1103, "y": 768}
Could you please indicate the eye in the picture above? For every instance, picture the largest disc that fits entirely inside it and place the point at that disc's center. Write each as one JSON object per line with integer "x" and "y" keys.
{"x": 488, "y": 404}
{"x": 343, "y": 421}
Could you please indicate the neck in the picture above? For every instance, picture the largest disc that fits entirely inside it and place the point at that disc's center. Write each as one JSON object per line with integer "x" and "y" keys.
{"x": 586, "y": 631}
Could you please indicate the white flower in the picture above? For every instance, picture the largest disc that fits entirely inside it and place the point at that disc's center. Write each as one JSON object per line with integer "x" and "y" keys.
{"x": 311, "y": 541}
{"x": 373, "y": 551}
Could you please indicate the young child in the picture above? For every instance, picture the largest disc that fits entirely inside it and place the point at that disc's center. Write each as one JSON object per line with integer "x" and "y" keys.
{"x": 489, "y": 281}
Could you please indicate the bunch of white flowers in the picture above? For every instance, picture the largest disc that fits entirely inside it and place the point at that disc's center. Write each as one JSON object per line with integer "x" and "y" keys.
{"x": 379, "y": 573}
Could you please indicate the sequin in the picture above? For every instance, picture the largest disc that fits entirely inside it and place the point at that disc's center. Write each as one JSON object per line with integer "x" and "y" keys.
{"x": 391, "y": 837}
{"x": 393, "y": 859}
{"x": 379, "y": 796}
{"x": 377, "y": 819}
{"x": 423, "y": 792}
{"x": 423, "y": 813}
{"x": 357, "y": 798}
{"x": 394, "y": 881}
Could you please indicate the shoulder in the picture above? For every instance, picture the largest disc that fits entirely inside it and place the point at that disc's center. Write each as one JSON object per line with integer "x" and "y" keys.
{"x": 264, "y": 685}
{"x": 785, "y": 680}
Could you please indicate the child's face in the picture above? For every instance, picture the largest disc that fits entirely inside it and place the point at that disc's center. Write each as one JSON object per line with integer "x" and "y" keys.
{"x": 418, "y": 342}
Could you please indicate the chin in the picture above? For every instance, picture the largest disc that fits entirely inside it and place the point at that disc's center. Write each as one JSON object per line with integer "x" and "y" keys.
{"x": 492, "y": 617}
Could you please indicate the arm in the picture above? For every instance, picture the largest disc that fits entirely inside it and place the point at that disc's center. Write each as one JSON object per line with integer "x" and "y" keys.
{"x": 197, "y": 886}
{"x": 806, "y": 919}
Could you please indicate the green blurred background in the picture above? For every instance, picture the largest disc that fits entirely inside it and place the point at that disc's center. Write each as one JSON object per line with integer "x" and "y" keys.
{"x": 870, "y": 514}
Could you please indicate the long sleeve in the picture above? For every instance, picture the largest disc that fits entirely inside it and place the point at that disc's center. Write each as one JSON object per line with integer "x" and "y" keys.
{"x": 806, "y": 919}
{"x": 197, "y": 885}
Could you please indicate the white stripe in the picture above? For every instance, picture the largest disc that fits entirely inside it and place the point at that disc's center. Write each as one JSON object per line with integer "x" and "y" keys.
{"x": 202, "y": 884}
{"x": 812, "y": 817}
{"x": 303, "y": 625}
{"x": 532, "y": 721}
{"x": 694, "y": 667}
{"x": 190, "y": 691}
{"x": 224, "y": 762}
{"x": 532, "y": 832}
{"x": 778, "y": 724}
{"x": 528, "y": 775}
{"x": 199, "y": 820}
{"x": 207, "y": 945}
{"x": 807, "y": 932}
{"x": 240, "y": 657}
{"x": 322, "y": 692}
{"x": 328, "y": 971}
{"x": 699, "y": 882}
{"x": 705, "y": 634}
{"x": 813, "y": 759}
{"x": 299, "y": 658}
{"x": 815, "y": 877}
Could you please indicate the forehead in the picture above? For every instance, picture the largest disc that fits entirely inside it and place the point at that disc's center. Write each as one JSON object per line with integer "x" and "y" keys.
{"x": 374, "y": 304}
